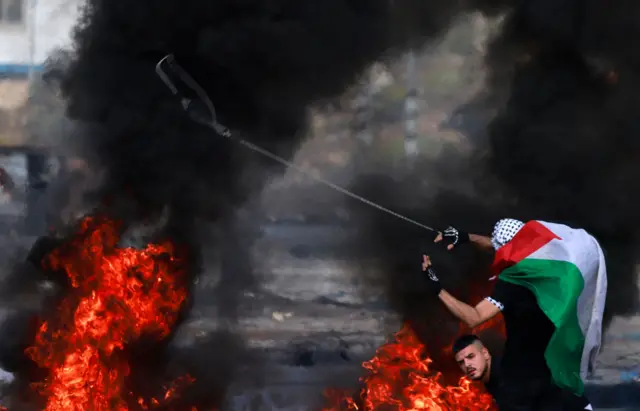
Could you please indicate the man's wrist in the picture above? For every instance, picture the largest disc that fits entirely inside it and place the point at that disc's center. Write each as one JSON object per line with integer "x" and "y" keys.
{"x": 452, "y": 237}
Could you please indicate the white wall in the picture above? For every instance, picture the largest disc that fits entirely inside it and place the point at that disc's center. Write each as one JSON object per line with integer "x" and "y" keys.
{"x": 53, "y": 20}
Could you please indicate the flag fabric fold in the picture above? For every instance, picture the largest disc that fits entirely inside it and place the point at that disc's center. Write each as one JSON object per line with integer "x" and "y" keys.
{"x": 565, "y": 268}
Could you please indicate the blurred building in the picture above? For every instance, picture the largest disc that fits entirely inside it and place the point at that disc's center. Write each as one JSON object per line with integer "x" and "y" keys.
{"x": 29, "y": 31}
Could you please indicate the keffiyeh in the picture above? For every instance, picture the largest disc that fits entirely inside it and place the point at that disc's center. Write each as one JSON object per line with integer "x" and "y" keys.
{"x": 504, "y": 231}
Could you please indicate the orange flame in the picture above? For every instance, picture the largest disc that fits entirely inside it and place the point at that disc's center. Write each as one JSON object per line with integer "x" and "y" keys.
{"x": 119, "y": 294}
{"x": 399, "y": 378}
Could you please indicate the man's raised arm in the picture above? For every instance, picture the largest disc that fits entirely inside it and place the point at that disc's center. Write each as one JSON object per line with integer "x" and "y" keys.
{"x": 472, "y": 316}
{"x": 481, "y": 241}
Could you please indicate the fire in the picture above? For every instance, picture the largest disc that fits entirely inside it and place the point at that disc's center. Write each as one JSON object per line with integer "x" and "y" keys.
{"x": 118, "y": 295}
{"x": 399, "y": 378}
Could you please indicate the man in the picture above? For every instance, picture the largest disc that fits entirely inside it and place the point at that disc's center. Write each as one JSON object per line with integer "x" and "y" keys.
{"x": 529, "y": 382}
{"x": 478, "y": 364}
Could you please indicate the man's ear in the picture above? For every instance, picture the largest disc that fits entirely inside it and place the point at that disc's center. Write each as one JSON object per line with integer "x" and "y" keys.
{"x": 485, "y": 353}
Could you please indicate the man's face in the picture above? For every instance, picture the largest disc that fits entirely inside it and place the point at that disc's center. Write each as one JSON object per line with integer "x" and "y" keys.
{"x": 473, "y": 361}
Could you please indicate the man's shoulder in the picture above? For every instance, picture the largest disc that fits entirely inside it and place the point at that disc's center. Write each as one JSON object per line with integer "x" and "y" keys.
{"x": 509, "y": 294}
{"x": 508, "y": 288}
{"x": 508, "y": 285}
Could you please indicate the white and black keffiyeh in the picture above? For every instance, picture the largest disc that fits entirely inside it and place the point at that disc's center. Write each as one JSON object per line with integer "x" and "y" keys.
{"x": 504, "y": 231}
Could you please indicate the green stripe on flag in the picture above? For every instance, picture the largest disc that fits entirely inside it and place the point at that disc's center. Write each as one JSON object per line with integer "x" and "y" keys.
{"x": 557, "y": 286}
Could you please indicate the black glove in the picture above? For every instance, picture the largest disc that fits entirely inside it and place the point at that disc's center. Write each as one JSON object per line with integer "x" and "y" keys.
{"x": 433, "y": 280}
{"x": 452, "y": 237}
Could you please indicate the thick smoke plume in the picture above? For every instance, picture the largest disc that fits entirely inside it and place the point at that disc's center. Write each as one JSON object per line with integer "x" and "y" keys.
{"x": 562, "y": 147}
{"x": 565, "y": 139}
{"x": 263, "y": 65}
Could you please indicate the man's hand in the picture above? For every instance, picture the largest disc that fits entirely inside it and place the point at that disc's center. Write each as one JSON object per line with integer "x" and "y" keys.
{"x": 434, "y": 281}
{"x": 451, "y": 237}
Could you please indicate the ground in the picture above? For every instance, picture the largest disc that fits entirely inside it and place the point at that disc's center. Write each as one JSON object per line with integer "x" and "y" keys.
{"x": 313, "y": 303}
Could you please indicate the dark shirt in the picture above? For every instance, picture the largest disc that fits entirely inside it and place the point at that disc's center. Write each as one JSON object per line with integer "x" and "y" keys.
{"x": 494, "y": 377}
{"x": 573, "y": 402}
{"x": 569, "y": 401}
{"x": 528, "y": 332}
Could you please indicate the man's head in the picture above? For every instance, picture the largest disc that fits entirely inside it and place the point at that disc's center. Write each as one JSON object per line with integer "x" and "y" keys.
{"x": 472, "y": 357}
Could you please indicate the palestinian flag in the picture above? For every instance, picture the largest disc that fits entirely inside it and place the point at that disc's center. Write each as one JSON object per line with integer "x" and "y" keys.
{"x": 566, "y": 270}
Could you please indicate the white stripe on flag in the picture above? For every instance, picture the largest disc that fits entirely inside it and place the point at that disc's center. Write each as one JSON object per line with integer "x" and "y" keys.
{"x": 578, "y": 247}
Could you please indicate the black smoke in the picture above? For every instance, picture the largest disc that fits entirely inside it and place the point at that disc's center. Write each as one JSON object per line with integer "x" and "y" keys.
{"x": 263, "y": 63}
{"x": 562, "y": 147}
{"x": 564, "y": 138}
